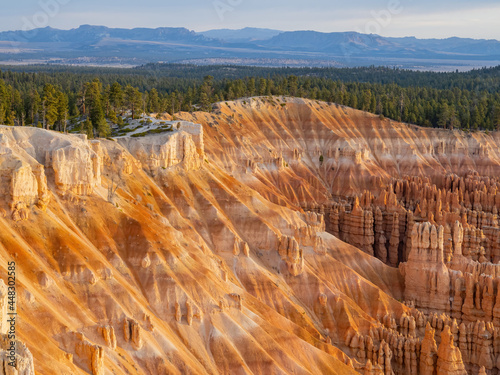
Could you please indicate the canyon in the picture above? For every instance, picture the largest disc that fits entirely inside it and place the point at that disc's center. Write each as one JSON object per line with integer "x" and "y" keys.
{"x": 273, "y": 235}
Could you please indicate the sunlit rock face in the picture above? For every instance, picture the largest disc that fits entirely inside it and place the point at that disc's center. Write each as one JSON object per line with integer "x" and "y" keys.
{"x": 273, "y": 235}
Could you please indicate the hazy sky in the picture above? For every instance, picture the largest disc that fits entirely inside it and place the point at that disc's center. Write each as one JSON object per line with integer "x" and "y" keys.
{"x": 420, "y": 18}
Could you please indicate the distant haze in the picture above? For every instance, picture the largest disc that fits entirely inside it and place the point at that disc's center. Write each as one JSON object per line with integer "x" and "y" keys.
{"x": 395, "y": 18}
{"x": 99, "y": 45}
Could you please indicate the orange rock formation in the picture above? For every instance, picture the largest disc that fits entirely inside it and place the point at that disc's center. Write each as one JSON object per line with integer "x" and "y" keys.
{"x": 275, "y": 235}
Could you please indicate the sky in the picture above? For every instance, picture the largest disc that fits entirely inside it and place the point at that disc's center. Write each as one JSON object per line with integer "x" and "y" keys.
{"x": 420, "y": 18}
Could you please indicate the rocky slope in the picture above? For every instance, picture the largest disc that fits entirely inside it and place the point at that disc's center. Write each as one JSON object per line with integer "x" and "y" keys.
{"x": 264, "y": 240}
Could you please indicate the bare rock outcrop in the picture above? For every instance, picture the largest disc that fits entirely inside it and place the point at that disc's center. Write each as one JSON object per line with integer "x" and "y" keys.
{"x": 449, "y": 359}
{"x": 183, "y": 147}
{"x": 76, "y": 169}
{"x": 108, "y": 333}
{"x": 18, "y": 361}
{"x": 22, "y": 178}
{"x": 426, "y": 276}
{"x": 4, "y": 305}
{"x": 15, "y": 357}
{"x": 92, "y": 356}
{"x": 428, "y": 352}
{"x": 291, "y": 253}
{"x": 132, "y": 332}
{"x": 194, "y": 238}
{"x": 71, "y": 162}
{"x": 357, "y": 228}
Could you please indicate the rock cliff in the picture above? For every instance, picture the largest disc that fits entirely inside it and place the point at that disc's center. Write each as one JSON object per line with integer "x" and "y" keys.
{"x": 274, "y": 235}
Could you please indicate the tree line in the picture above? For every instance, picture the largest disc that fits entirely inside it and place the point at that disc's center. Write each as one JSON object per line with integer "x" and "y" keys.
{"x": 53, "y": 98}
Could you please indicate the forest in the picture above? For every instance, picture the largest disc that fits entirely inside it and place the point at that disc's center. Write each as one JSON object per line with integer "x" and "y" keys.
{"x": 55, "y": 97}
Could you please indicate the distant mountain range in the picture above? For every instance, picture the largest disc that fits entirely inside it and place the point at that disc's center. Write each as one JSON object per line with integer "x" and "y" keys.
{"x": 248, "y": 34}
{"x": 99, "y": 45}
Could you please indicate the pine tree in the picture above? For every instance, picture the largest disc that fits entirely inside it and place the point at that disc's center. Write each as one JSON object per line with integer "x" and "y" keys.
{"x": 496, "y": 116}
{"x": 206, "y": 91}
{"x": 49, "y": 105}
{"x": 133, "y": 99}
{"x": 62, "y": 110}
{"x": 116, "y": 96}
{"x": 251, "y": 87}
{"x": 34, "y": 106}
{"x": 292, "y": 86}
{"x": 153, "y": 101}
{"x": 94, "y": 101}
{"x": 88, "y": 129}
{"x": 103, "y": 129}
{"x": 262, "y": 86}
